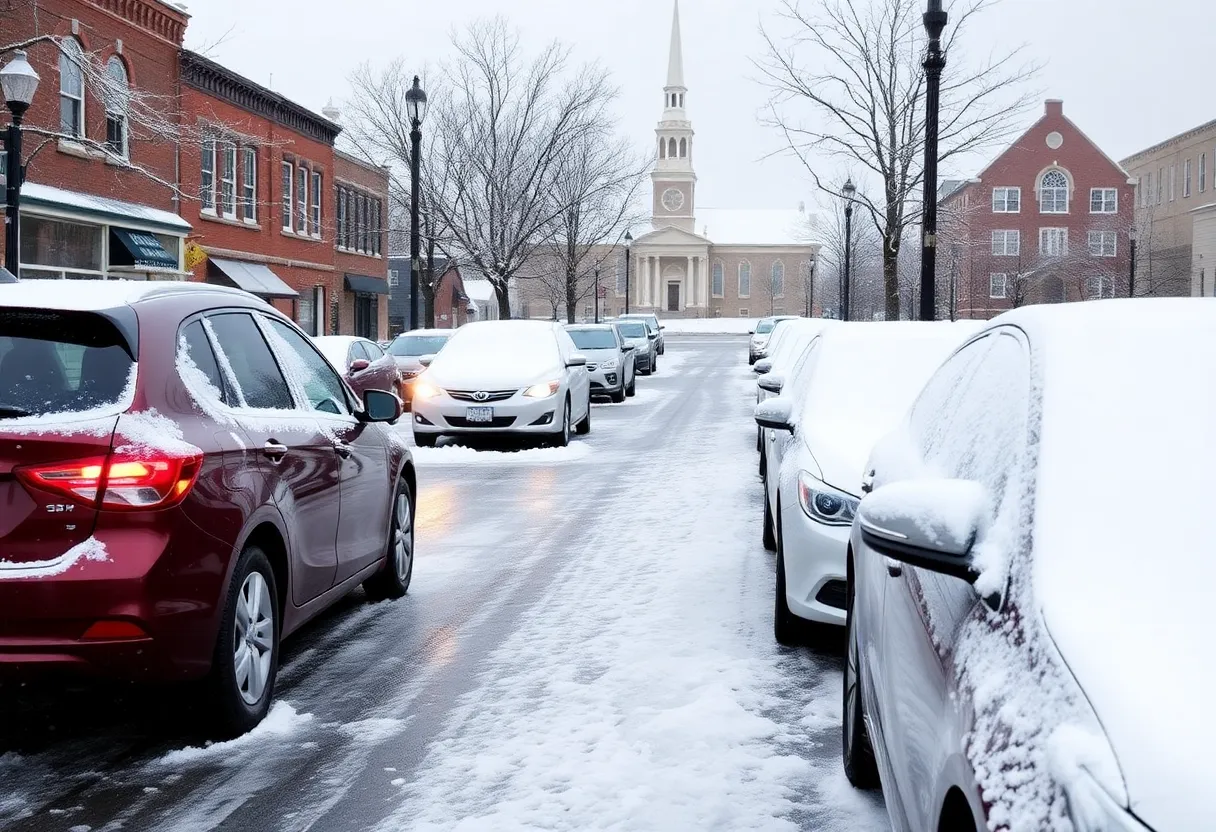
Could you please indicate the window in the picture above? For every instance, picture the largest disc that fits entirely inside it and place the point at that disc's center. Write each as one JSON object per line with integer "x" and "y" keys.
{"x": 249, "y": 184}
{"x": 306, "y": 314}
{"x": 315, "y": 376}
{"x": 1006, "y": 243}
{"x": 745, "y": 279}
{"x": 778, "y": 279}
{"x": 117, "y": 97}
{"x": 1186, "y": 179}
{"x": 316, "y": 204}
{"x": 198, "y": 349}
{"x": 1099, "y": 286}
{"x": 1146, "y": 189}
{"x": 301, "y": 199}
{"x": 996, "y": 285}
{"x": 376, "y": 228}
{"x": 393, "y": 279}
{"x": 1203, "y": 172}
{"x": 1053, "y": 242}
{"x": 71, "y": 88}
{"x": 1103, "y": 200}
{"x": 1053, "y": 193}
{"x": 228, "y": 180}
{"x": 1173, "y": 182}
{"x": 1006, "y": 200}
{"x": 1102, "y": 243}
{"x": 1160, "y": 183}
{"x": 288, "y": 178}
{"x": 256, "y": 374}
{"x": 743, "y": 313}
{"x": 719, "y": 280}
{"x": 343, "y": 217}
{"x": 207, "y": 179}
{"x": 367, "y": 314}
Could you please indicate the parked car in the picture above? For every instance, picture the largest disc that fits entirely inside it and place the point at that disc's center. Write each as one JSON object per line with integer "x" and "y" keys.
{"x": 999, "y": 569}
{"x": 652, "y": 322}
{"x": 185, "y": 480}
{"x": 788, "y": 358}
{"x": 756, "y": 347}
{"x": 764, "y": 364}
{"x": 645, "y": 352}
{"x": 610, "y": 361}
{"x": 504, "y": 377}
{"x": 863, "y": 377}
{"x": 408, "y": 348}
{"x": 363, "y": 365}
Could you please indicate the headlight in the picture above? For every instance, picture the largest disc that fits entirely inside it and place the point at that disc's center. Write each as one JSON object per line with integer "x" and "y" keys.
{"x": 1092, "y": 809}
{"x": 425, "y": 390}
{"x": 543, "y": 390}
{"x": 610, "y": 364}
{"x": 825, "y": 504}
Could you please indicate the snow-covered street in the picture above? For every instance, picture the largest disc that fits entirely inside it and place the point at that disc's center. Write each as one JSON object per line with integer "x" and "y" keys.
{"x": 587, "y": 644}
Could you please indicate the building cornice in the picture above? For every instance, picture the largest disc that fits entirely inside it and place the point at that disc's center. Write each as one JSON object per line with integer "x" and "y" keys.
{"x": 220, "y": 82}
{"x": 1181, "y": 138}
{"x": 157, "y": 17}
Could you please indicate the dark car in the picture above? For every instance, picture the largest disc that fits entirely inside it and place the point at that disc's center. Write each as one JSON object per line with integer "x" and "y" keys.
{"x": 185, "y": 480}
{"x": 362, "y": 363}
{"x": 409, "y": 348}
{"x": 653, "y": 325}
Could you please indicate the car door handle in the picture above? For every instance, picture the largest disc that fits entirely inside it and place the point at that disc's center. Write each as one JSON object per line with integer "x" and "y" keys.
{"x": 274, "y": 451}
{"x": 894, "y": 567}
{"x": 343, "y": 450}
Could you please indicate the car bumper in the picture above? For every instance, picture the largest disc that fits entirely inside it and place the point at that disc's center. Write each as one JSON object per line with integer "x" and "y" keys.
{"x": 755, "y": 353}
{"x": 815, "y": 556}
{"x": 604, "y": 382}
{"x": 519, "y": 414}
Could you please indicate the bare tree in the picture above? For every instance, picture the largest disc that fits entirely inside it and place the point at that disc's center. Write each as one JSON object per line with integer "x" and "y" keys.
{"x": 848, "y": 86}
{"x": 865, "y": 256}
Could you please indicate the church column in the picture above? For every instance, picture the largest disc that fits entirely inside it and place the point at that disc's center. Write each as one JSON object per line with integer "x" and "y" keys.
{"x": 656, "y": 271}
{"x": 690, "y": 292}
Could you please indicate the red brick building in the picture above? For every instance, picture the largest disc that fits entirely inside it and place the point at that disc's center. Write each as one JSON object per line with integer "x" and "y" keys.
{"x": 361, "y": 245}
{"x": 451, "y": 300}
{"x": 100, "y": 200}
{"x": 1047, "y": 222}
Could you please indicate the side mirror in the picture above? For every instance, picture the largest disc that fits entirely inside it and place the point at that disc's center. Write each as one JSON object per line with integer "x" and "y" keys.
{"x": 629, "y": 348}
{"x": 763, "y": 366}
{"x": 359, "y": 365}
{"x": 425, "y": 360}
{"x": 577, "y": 360}
{"x": 931, "y": 523}
{"x": 773, "y": 382}
{"x": 751, "y": 332}
{"x": 662, "y": 326}
{"x": 379, "y": 406}
{"x": 775, "y": 414}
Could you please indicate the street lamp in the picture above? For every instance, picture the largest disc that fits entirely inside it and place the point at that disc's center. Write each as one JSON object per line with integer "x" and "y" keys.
{"x": 597, "y": 293}
{"x": 19, "y": 82}
{"x": 1133, "y": 235}
{"x": 628, "y": 257}
{"x": 848, "y": 192}
{"x": 415, "y": 106}
{"x": 935, "y": 61}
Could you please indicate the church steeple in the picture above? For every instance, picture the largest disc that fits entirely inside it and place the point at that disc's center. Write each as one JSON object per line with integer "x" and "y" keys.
{"x": 673, "y": 175}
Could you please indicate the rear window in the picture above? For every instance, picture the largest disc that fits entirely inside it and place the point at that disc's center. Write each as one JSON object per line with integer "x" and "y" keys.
{"x": 61, "y": 362}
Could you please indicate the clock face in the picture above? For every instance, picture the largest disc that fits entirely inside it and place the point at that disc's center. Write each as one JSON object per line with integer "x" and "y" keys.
{"x": 673, "y": 199}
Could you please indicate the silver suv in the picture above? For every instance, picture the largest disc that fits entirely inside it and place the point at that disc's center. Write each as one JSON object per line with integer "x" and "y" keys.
{"x": 610, "y": 361}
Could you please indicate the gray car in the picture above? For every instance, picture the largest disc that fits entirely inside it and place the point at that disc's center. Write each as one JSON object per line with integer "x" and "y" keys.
{"x": 645, "y": 352}
{"x": 652, "y": 323}
{"x": 407, "y": 348}
{"x": 610, "y": 362}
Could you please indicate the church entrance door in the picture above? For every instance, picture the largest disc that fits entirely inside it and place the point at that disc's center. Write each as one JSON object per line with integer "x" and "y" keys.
{"x": 673, "y": 297}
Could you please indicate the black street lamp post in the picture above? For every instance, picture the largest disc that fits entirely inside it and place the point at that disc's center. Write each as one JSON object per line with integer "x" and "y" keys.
{"x": 597, "y": 293}
{"x": 415, "y": 104}
{"x": 19, "y": 82}
{"x": 845, "y": 290}
{"x": 628, "y": 257}
{"x": 1131, "y": 276}
{"x": 935, "y": 61}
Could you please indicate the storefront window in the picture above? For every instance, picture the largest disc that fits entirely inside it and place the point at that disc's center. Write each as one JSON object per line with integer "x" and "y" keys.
{"x": 46, "y": 242}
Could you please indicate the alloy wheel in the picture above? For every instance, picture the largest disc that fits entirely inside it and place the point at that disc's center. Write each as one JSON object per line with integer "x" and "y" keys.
{"x": 403, "y": 544}
{"x": 253, "y": 638}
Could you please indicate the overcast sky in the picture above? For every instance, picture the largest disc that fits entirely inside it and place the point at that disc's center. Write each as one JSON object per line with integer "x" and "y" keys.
{"x": 1130, "y": 73}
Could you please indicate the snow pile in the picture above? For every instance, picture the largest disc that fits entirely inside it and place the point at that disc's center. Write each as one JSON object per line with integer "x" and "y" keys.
{"x": 707, "y": 326}
{"x": 281, "y": 723}
{"x": 90, "y": 549}
{"x": 643, "y": 395}
{"x": 464, "y": 455}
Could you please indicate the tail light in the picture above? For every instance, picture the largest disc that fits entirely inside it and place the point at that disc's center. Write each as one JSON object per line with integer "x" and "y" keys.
{"x": 120, "y": 482}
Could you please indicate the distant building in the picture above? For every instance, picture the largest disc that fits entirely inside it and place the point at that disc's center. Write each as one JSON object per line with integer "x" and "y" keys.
{"x": 1048, "y": 221}
{"x": 1177, "y": 183}
{"x": 483, "y": 304}
{"x": 399, "y": 294}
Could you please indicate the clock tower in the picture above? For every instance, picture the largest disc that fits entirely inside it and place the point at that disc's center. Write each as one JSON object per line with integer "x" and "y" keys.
{"x": 673, "y": 176}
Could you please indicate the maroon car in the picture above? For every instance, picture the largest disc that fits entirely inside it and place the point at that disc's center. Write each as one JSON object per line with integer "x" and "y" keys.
{"x": 364, "y": 365}
{"x": 184, "y": 480}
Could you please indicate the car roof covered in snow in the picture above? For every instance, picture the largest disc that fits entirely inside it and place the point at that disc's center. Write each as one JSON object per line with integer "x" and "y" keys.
{"x": 93, "y": 295}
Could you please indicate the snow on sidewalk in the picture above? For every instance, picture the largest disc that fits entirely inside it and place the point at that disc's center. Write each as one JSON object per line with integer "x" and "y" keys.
{"x": 708, "y": 326}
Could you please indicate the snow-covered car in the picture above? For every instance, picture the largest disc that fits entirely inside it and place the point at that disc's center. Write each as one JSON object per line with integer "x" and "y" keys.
{"x": 796, "y": 335}
{"x": 408, "y": 348}
{"x": 504, "y": 377}
{"x": 862, "y": 377}
{"x": 652, "y": 325}
{"x": 645, "y": 354}
{"x": 362, "y": 363}
{"x": 1003, "y": 668}
{"x": 757, "y": 345}
{"x": 610, "y": 363}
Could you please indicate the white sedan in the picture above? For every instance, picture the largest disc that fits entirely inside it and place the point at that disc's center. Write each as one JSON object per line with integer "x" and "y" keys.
{"x": 504, "y": 377}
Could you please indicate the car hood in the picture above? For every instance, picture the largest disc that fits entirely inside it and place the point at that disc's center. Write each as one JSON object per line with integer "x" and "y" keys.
{"x": 492, "y": 376}
{"x": 408, "y": 362}
{"x": 841, "y": 453}
{"x": 642, "y": 344}
{"x": 596, "y": 356}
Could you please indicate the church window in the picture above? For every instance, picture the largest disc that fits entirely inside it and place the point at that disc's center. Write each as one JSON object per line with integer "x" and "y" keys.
{"x": 662, "y": 149}
{"x": 778, "y": 278}
{"x": 1053, "y": 193}
{"x": 719, "y": 278}
{"x": 683, "y": 149}
{"x": 671, "y": 148}
{"x": 745, "y": 279}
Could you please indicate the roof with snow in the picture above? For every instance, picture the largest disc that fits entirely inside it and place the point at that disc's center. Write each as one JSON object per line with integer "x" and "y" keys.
{"x": 479, "y": 290}
{"x": 757, "y": 227}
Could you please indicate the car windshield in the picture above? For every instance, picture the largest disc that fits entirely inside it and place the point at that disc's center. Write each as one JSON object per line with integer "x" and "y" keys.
{"x": 592, "y": 339}
{"x": 764, "y": 327}
{"x": 637, "y": 330}
{"x": 413, "y": 345}
{"x": 52, "y": 362}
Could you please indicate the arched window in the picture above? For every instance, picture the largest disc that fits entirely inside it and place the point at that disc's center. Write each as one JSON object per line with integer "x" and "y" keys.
{"x": 116, "y": 97}
{"x": 745, "y": 279}
{"x": 662, "y": 149}
{"x": 683, "y": 148}
{"x": 778, "y": 278}
{"x": 671, "y": 148}
{"x": 719, "y": 279}
{"x": 1053, "y": 193}
{"x": 71, "y": 88}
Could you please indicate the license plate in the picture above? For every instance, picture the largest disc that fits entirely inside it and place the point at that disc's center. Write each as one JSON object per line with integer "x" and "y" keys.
{"x": 479, "y": 414}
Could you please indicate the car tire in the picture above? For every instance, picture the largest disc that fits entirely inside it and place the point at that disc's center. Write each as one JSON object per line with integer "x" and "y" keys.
{"x": 425, "y": 440}
{"x": 632, "y": 389}
{"x": 393, "y": 579}
{"x": 760, "y": 443}
{"x": 563, "y": 435}
{"x": 751, "y": 361}
{"x": 857, "y": 753}
{"x": 763, "y": 464}
{"x": 584, "y": 427}
{"x": 770, "y": 537}
{"x": 654, "y": 364}
{"x": 662, "y": 349}
{"x": 618, "y": 396}
{"x": 239, "y": 699}
{"x": 788, "y": 628}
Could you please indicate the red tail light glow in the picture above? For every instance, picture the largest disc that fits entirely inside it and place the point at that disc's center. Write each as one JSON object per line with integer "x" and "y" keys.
{"x": 113, "y": 630}
{"x": 124, "y": 482}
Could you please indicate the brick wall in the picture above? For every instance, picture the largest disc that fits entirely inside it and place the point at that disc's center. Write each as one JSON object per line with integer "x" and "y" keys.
{"x": 372, "y": 181}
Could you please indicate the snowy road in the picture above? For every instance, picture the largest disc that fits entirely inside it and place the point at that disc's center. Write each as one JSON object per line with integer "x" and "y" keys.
{"x": 586, "y": 645}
